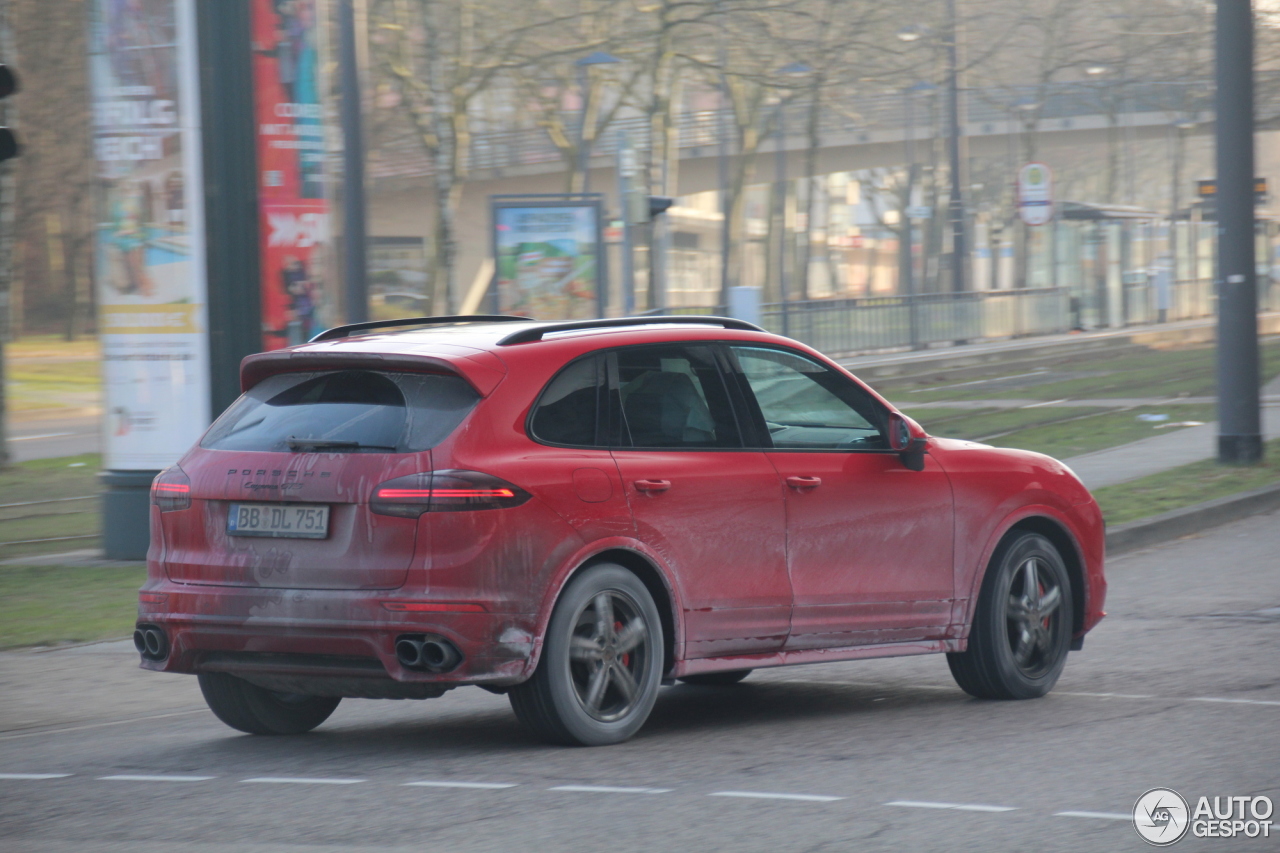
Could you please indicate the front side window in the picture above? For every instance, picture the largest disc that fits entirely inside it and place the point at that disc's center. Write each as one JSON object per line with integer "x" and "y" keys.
{"x": 806, "y": 405}
{"x": 674, "y": 397}
{"x": 344, "y": 411}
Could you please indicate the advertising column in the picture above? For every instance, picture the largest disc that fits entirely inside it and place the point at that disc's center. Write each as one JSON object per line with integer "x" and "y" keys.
{"x": 293, "y": 212}
{"x": 149, "y": 261}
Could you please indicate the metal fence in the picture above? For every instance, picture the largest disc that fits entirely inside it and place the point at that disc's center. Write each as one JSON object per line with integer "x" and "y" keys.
{"x": 894, "y": 322}
{"x": 866, "y": 324}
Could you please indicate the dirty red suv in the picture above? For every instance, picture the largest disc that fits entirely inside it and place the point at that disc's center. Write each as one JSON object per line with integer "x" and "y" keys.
{"x": 575, "y": 514}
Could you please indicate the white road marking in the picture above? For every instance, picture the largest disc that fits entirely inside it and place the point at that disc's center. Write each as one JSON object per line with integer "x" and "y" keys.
{"x": 608, "y": 789}
{"x": 959, "y": 807}
{"x": 289, "y": 780}
{"x": 34, "y": 775}
{"x": 1096, "y": 815}
{"x": 1144, "y": 696}
{"x": 131, "y": 778}
{"x": 479, "y": 785}
{"x": 1232, "y": 701}
{"x": 101, "y": 725}
{"x": 761, "y": 795}
{"x": 1045, "y": 403}
{"x": 45, "y": 435}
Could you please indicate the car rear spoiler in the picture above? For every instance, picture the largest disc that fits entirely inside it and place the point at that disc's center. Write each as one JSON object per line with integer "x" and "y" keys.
{"x": 483, "y": 371}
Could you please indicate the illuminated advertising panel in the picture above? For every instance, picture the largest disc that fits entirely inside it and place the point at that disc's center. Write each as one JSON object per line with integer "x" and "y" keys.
{"x": 293, "y": 211}
{"x": 149, "y": 253}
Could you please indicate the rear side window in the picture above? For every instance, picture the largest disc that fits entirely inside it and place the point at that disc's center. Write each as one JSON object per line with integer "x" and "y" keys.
{"x": 568, "y": 409}
{"x": 345, "y": 411}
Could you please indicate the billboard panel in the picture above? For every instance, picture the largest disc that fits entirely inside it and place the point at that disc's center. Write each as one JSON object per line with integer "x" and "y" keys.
{"x": 149, "y": 253}
{"x": 293, "y": 212}
{"x": 547, "y": 257}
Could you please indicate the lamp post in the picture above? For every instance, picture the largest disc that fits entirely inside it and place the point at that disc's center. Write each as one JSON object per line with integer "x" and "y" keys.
{"x": 584, "y": 65}
{"x": 792, "y": 69}
{"x": 955, "y": 203}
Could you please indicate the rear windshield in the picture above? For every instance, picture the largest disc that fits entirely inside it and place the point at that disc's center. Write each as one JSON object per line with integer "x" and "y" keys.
{"x": 345, "y": 411}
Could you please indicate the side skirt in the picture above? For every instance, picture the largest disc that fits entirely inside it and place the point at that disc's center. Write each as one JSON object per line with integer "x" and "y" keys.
{"x": 801, "y": 656}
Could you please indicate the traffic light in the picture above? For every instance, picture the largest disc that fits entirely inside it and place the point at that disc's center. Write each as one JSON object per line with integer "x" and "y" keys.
{"x": 659, "y": 204}
{"x": 8, "y": 142}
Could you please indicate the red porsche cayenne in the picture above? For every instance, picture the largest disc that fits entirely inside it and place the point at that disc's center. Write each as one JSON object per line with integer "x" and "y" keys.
{"x": 575, "y": 514}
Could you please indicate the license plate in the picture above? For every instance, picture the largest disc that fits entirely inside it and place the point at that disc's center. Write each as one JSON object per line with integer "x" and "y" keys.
{"x": 294, "y": 521}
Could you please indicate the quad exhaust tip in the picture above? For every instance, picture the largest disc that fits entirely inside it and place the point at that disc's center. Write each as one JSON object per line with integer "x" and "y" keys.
{"x": 427, "y": 652}
{"x": 151, "y": 642}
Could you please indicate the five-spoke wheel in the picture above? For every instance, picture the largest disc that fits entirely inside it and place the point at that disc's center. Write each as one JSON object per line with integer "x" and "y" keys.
{"x": 1022, "y": 623}
{"x": 601, "y": 663}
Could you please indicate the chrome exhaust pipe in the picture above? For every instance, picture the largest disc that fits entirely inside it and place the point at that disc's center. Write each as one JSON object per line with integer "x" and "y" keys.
{"x": 409, "y": 652}
{"x": 151, "y": 642}
{"x": 427, "y": 652}
{"x": 439, "y": 655}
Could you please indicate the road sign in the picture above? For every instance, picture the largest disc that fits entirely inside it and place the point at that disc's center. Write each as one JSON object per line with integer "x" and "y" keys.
{"x": 919, "y": 211}
{"x": 1035, "y": 194}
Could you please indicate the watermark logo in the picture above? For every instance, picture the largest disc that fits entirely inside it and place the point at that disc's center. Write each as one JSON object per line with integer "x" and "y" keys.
{"x": 1161, "y": 816}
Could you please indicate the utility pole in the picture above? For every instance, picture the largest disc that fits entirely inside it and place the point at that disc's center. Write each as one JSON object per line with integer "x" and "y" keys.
{"x": 353, "y": 199}
{"x": 955, "y": 205}
{"x": 722, "y": 157}
{"x": 1239, "y": 421}
{"x": 8, "y": 208}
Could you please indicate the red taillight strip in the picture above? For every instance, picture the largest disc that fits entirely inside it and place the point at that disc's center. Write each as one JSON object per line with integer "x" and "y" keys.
{"x": 172, "y": 488}
{"x": 427, "y": 494}
{"x": 433, "y": 607}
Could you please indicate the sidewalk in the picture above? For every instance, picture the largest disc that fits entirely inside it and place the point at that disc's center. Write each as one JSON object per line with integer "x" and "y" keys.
{"x": 1153, "y": 455}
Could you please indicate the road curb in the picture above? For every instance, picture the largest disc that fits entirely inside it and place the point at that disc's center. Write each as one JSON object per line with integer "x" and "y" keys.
{"x": 1191, "y": 519}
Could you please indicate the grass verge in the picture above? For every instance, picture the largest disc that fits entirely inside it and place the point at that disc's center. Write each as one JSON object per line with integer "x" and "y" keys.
{"x": 43, "y": 480}
{"x": 1098, "y": 432}
{"x": 43, "y": 605}
{"x": 1185, "y": 486}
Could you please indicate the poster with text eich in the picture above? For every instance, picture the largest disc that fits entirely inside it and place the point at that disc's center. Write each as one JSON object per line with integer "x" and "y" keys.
{"x": 293, "y": 211}
{"x": 149, "y": 253}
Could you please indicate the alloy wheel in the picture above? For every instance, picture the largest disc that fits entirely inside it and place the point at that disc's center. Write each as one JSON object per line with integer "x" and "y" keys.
{"x": 608, "y": 655}
{"x": 1032, "y": 613}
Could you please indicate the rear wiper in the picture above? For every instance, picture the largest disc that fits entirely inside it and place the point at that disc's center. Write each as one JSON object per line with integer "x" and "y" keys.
{"x": 297, "y": 444}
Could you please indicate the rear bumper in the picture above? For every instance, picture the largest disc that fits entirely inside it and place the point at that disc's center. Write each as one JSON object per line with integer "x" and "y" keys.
{"x": 327, "y": 633}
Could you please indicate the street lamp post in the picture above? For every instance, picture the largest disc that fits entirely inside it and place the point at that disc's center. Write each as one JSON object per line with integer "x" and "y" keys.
{"x": 1239, "y": 418}
{"x": 955, "y": 204}
{"x": 584, "y": 153}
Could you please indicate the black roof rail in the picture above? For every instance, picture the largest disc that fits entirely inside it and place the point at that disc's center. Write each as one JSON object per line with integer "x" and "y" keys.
{"x": 525, "y": 336}
{"x": 350, "y": 328}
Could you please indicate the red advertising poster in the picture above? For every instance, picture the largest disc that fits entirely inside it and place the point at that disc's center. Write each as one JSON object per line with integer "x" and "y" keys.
{"x": 293, "y": 212}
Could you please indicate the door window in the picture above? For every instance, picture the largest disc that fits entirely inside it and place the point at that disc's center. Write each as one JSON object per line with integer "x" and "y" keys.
{"x": 808, "y": 406}
{"x": 674, "y": 397}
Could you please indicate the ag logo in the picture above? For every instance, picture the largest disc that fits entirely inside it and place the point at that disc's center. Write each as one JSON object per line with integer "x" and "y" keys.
{"x": 1161, "y": 816}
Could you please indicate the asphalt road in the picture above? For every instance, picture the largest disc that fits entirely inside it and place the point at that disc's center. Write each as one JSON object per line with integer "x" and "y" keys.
{"x": 1179, "y": 687}
{"x": 53, "y": 437}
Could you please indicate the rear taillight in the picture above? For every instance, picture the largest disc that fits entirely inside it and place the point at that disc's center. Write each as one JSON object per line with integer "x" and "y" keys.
{"x": 444, "y": 491}
{"x": 171, "y": 490}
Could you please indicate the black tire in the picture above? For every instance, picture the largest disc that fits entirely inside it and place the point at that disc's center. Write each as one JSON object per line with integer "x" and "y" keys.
{"x": 1022, "y": 624}
{"x": 258, "y": 711}
{"x": 717, "y": 679}
{"x": 595, "y": 683}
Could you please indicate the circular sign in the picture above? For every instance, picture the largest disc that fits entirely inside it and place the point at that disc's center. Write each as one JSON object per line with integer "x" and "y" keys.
{"x": 1035, "y": 194}
{"x": 1161, "y": 816}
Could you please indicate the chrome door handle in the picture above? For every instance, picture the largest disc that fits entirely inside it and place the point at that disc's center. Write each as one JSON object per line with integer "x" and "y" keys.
{"x": 797, "y": 482}
{"x": 652, "y": 485}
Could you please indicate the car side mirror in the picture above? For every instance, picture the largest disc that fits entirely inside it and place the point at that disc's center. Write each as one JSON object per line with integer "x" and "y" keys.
{"x": 908, "y": 439}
